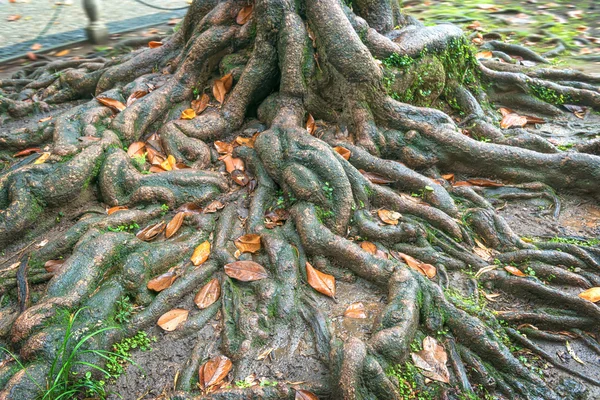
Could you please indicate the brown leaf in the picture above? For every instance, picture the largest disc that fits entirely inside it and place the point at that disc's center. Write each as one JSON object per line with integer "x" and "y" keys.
{"x": 154, "y": 44}
{"x": 170, "y": 320}
{"x": 208, "y": 294}
{"x": 227, "y": 81}
{"x": 432, "y": 360}
{"x": 231, "y": 163}
{"x": 214, "y": 371}
{"x": 248, "y": 142}
{"x": 534, "y": 120}
{"x": 305, "y": 395}
{"x": 201, "y": 253}
{"x": 342, "y": 151}
{"x": 244, "y": 15}
{"x": 201, "y": 104}
{"x": 163, "y": 281}
{"x": 42, "y": 159}
{"x": 213, "y": 206}
{"x": 189, "y": 208}
{"x": 136, "y": 149}
{"x": 188, "y": 113}
{"x": 31, "y": 56}
{"x": 389, "y": 217}
{"x": 484, "y": 54}
{"x": 355, "y": 310}
{"x": 63, "y": 53}
{"x": 113, "y": 104}
{"x": 369, "y": 247}
{"x": 505, "y": 111}
{"x": 133, "y": 97}
{"x": 424, "y": 269}
{"x": 53, "y": 266}
{"x": 151, "y": 231}
{"x": 222, "y": 86}
{"x": 448, "y": 177}
{"x": 156, "y": 169}
{"x": 12, "y": 18}
{"x": 245, "y": 271}
{"x": 27, "y": 152}
{"x": 375, "y": 178}
{"x": 321, "y": 282}
{"x": 240, "y": 177}
{"x": 514, "y": 271}
{"x": 249, "y": 243}
{"x": 484, "y": 183}
{"x": 115, "y": 209}
{"x": 311, "y": 126}
{"x": 592, "y": 294}
{"x": 513, "y": 119}
{"x": 174, "y": 224}
{"x": 223, "y": 147}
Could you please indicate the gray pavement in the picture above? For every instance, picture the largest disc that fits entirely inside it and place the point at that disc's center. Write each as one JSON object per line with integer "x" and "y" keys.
{"x": 53, "y": 23}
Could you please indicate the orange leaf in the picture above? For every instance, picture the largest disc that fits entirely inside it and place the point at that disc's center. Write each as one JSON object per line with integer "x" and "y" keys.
{"x": 389, "y": 217}
{"x": 136, "y": 149}
{"x": 432, "y": 360}
{"x": 63, "y": 53}
{"x": 27, "y": 152}
{"x": 342, "y": 151}
{"x": 244, "y": 15}
{"x": 248, "y": 243}
{"x": 448, "y": 177}
{"x": 223, "y": 147}
{"x": 162, "y": 282}
{"x": 240, "y": 177}
{"x": 154, "y": 44}
{"x": 133, "y": 97}
{"x": 115, "y": 209}
{"x": 592, "y": 294}
{"x": 506, "y": 111}
{"x": 174, "y": 225}
{"x": 12, "y": 18}
{"x": 231, "y": 164}
{"x": 151, "y": 231}
{"x": 201, "y": 253}
{"x": 222, "y": 86}
{"x": 513, "y": 119}
{"x": 484, "y": 54}
{"x": 201, "y": 104}
{"x": 311, "y": 126}
{"x": 188, "y": 114}
{"x": 369, "y": 247}
{"x": 213, "y": 206}
{"x": 208, "y": 294}
{"x": 42, "y": 159}
{"x": 515, "y": 271}
{"x": 214, "y": 371}
{"x": 113, "y": 104}
{"x": 424, "y": 269}
{"x": 321, "y": 282}
{"x": 305, "y": 395}
{"x": 53, "y": 266}
{"x": 155, "y": 169}
{"x": 36, "y": 46}
{"x": 355, "y": 310}
{"x": 245, "y": 271}
{"x": 484, "y": 182}
{"x": 170, "y": 320}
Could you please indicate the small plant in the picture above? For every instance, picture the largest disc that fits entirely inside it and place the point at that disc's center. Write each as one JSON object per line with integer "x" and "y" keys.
{"x": 565, "y": 147}
{"x": 243, "y": 384}
{"x": 328, "y": 191}
{"x": 266, "y": 382}
{"x": 125, "y": 310}
{"x": 164, "y": 209}
{"x": 122, "y": 352}
{"x": 123, "y": 228}
{"x": 529, "y": 271}
{"x": 139, "y": 161}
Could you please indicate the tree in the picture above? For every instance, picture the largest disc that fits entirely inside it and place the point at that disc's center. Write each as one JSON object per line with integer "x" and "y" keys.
{"x": 307, "y": 188}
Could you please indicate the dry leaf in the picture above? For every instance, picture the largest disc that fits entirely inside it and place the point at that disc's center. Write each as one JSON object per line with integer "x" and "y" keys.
{"x": 188, "y": 114}
{"x": 424, "y": 269}
{"x": 513, "y": 119}
{"x": 36, "y": 46}
{"x": 162, "y": 282}
{"x": 355, "y": 310}
{"x": 311, "y": 126}
{"x": 133, "y": 97}
{"x": 12, "y": 18}
{"x": 223, "y": 147}
{"x": 448, "y": 177}
{"x": 321, "y": 282}
{"x": 27, "y": 152}
{"x": 248, "y": 243}
{"x": 389, "y": 217}
{"x": 375, "y": 178}
{"x": 484, "y": 54}
{"x": 342, "y": 151}
{"x": 53, "y": 266}
{"x": 369, "y": 247}
{"x": 201, "y": 104}
{"x": 432, "y": 360}
{"x": 208, "y": 294}
{"x": 201, "y": 253}
{"x": 42, "y": 159}
{"x": 245, "y": 271}
{"x": 213, "y": 206}
{"x": 174, "y": 225}
{"x": 592, "y": 294}
{"x": 63, "y": 53}
{"x": 514, "y": 271}
{"x": 214, "y": 371}
{"x": 154, "y": 44}
{"x": 231, "y": 163}
{"x": 115, "y": 209}
{"x": 305, "y": 395}
{"x": 136, "y": 149}
{"x": 113, "y": 104}
{"x": 244, "y": 15}
{"x": 170, "y": 320}
{"x": 483, "y": 182}
{"x": 222, "y": 86}
{"x": 31, "y": 56}
{"x": 240, "y": 177}
{"x": 151, "y": 231}
{"x": 490, "y": 296}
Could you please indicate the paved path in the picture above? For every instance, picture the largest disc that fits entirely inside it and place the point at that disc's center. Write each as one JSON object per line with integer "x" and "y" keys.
{"x": 56, "y": 22}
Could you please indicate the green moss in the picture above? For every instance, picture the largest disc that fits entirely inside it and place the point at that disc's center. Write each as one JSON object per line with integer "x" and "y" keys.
{"x": 95, "y": 171}
{"x": 577, "y": 242}
{"x": 410, "y": 386}
{"x": 122, "y": 352}
{"x": 549, "y": 95}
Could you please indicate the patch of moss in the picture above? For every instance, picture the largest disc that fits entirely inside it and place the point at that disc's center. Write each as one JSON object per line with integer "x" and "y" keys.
{"x": 549, "y": 95}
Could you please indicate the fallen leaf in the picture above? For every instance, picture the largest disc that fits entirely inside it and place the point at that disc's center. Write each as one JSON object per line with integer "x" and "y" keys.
{"x": 36, "y": 46}
{"x": 42, "y": 159}
{"x": 311, "y": 126}
{"x": 448, "y": 177}
{"x": 53, "y": 266}
{"x": 240, "y": 177}
{"x": 321, "y": 282}
{"x": 154, "y": 44}
{"x": 170, "y": 320}
{"x": 375, "y": 178}
{"x": 163, "y": 281}
{"x": 592, "y": 294}
{"x": 115, "y": 209}
{"x": 432, "y": 360}
{"x": 222, "y": 86}
{"x": 136, "y": 149}
{"x": 342, "y": 151}
{"x": 213, "y": 206}
{"x": 151, "y": 231}
{"x": 208, "y": 294}
{"x": 133, "y": 97}
{"x": 249, "y": 243}
{"x": 484, "y": 183}
{"x": 201, "y": 104}
{"x": 484, "y": 54}
{"x": 174, "y": 224}
{"x": 424, "y": 269}
{"x": 188, "y": 113}
{"x": 12, "y": 18}
{"x": 245, "y": 271}
{"x": 389, "y": 217}
{"x": 355, "y": 310}
{"x": 369, "y": 247}
{"x": 231, "y": 163}
{"x": 63, "y": 53}
{"x": 214, "y": 371}
{"x": 201, "y": 253}
{"x": 27, "y": 152}
{"x": 514, "y": 271}
{"x": 31, "y": 56}
{"x": 244, "y": 15}
{"x": 305, "y": 395}
{"x": 113, "y": 104}
{"x": 265, "y": 354}
{"x": 513, "y": 119}
{"x": 490, "y": 296}
{"x": 223, "y": 147}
